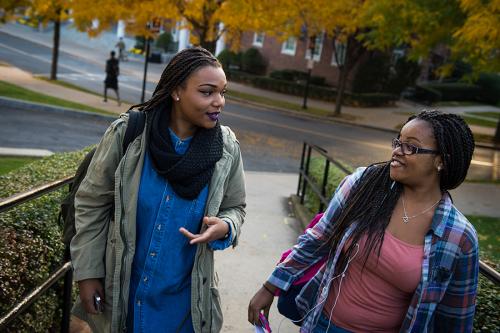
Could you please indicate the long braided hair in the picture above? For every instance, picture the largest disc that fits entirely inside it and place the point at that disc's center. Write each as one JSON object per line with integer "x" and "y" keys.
{"x": 372, "y": 201}
{"x": 182, "y": 65}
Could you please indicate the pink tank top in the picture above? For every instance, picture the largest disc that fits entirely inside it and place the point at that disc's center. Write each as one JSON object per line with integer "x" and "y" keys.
{"x": 377, "y": 299}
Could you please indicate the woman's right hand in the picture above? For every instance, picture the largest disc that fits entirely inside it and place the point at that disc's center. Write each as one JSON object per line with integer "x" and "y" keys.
{"x": 262, "y": 300}
{"x": 89, "y": 288}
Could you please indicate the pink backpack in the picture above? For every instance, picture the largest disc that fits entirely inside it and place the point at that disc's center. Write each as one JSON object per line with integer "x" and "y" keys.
{"x": 311, "y": 271}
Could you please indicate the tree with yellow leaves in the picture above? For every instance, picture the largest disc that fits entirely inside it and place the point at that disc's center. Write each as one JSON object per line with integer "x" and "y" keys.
{"x": 469, "y": 28}
{"x": 308, "y": 18}
{"x": 207, "y": 20}
{"x": 54, "y": 11}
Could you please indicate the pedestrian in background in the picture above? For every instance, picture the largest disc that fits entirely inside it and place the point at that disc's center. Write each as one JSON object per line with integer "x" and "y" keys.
{"x": 148, "y": 222}
{"x": 111, "y": 80}
{"x": 120, "y": 45}
{"x": 400, "y": 256}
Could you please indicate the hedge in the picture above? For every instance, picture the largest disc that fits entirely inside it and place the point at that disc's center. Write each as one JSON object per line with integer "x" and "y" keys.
{"x": 30, "y": 242}
{"x": 317, "y": 92}
{"x": 488, "y": 300}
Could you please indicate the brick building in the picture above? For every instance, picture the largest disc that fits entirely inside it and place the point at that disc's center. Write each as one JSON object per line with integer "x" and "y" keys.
{"x": 293, "y": 54}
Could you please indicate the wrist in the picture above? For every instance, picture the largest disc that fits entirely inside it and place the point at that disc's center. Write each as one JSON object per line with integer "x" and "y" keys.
{"x": 270, "y": 288}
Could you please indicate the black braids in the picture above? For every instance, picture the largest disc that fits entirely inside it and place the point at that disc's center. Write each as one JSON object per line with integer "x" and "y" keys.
{"x": 456, "y": 145}
{"x": 371, "y": 203}
{"x": 366, "y": 204}
{"x": 181, "y": 66}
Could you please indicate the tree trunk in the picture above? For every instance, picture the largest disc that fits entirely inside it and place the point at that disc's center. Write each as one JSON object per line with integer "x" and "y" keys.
{"x": 496, "y": 138}
{"x": 55, "y": 47}
{"x": 210, "y": 45}
{"x": 340, "y": 90}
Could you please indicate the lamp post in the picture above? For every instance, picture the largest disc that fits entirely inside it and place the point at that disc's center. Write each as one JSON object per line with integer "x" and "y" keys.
{"x": 153, "y": 27}
{"x": 310, "y": 65}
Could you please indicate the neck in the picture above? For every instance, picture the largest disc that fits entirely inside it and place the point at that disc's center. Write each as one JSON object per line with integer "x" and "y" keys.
{"x": 182, "y": 128}
{"x": 422, "y": 193}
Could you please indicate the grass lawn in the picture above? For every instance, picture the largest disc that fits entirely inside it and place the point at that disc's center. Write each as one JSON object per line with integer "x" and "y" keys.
{"x": 479, "y": 122}
{"x": 75, "y": 87}
{"x": 13, "y": 91}
{"x": 10, "y": 163}
{"x": 488, "y": 230}
{"x": 486, "y": 114}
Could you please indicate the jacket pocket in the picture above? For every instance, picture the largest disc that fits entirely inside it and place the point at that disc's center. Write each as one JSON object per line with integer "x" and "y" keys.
{"x": 216, "y": 310}
{"x": 438, "y": 283}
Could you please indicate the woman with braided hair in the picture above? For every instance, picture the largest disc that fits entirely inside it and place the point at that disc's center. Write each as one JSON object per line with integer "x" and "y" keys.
{"x": 400, "y": 256}
{"x": 149, "y": 219}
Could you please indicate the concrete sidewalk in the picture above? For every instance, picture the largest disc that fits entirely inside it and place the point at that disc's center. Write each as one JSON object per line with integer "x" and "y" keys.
{"x": 96, "y": 49}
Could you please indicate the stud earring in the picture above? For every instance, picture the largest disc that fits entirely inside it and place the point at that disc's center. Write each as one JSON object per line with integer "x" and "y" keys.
{"x": 177, "y": 99}
{"x": 439, "y": 168}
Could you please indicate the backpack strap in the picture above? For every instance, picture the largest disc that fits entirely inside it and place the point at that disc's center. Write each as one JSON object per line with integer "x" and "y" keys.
{"x": 135, "y": 126}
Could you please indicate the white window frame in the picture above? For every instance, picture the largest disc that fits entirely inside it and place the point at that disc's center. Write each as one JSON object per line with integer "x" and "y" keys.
{"x": 286, "y": 49}
{"x": 334, "y": 60}
{"x": 258, "y": 39}
{"x": 318, "y": 48}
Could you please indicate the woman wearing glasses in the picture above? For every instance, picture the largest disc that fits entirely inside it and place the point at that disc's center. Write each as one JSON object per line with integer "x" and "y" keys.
{"x": 401, "y": 257}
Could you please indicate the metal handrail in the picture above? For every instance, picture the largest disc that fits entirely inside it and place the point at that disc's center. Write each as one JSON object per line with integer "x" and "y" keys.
{"x": 34, "y": 193}
{"x": 33, "y": 296}
{"x": 64, "y": 271}
{"x": 306, "y": 180}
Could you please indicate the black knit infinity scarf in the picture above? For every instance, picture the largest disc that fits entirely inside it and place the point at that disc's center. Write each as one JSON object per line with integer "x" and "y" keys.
{"x": 189, "y": 173}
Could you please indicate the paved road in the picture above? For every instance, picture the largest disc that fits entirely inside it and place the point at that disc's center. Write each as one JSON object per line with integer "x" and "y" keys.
{"x": 271, "y": 141}
{"x": 37, "y": 59}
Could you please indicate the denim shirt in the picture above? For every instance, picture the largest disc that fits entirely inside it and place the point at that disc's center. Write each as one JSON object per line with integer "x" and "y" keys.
{"x": 160, "y": 293}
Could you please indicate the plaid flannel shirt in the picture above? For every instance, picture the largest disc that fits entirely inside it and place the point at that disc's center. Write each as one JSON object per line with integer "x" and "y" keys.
{"x": 445, "y": 298}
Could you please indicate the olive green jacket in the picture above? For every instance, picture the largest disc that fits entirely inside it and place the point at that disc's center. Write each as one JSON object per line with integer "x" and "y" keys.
{"x": 104, "y": 247}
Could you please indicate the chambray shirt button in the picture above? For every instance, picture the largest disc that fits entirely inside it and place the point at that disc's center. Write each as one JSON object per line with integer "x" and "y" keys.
{"x": 158, "y": 227}
{"x": 145, "y": 279}
{"x": 153, "y": 254}
{"x": 167, "y": 199}
{"x": 139, "y": 302}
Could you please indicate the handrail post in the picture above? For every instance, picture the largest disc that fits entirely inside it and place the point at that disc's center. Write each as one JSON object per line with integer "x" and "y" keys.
{"x": 301, "y": 167}
{"x": 304, "y": 183}
{"x": 67, "y": 294}
{"x": 325, "y": 182}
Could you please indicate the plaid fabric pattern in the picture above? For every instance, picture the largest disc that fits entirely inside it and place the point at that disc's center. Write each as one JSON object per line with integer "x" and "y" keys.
{"x": 445, "y": 298}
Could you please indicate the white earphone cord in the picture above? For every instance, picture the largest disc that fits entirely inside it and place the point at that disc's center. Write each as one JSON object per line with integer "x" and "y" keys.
{"x": 342, "y": 275}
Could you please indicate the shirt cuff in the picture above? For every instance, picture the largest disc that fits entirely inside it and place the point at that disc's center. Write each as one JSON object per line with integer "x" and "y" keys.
{"x": 221, "y": 244}
{"x": 281, "y": 279}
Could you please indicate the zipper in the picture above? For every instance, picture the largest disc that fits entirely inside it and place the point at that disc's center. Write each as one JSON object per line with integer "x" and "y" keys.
{"x": 125, "y": 247}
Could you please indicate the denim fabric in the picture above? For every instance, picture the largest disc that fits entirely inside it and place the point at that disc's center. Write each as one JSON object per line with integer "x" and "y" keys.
{"x": 323, "y": 325}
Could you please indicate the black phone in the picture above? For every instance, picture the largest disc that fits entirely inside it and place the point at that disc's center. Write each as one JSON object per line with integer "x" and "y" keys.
{"x": 98, "y": 303}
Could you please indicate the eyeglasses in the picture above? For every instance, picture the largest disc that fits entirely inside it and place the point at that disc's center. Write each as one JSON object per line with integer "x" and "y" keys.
{"x": 409, "y": 149}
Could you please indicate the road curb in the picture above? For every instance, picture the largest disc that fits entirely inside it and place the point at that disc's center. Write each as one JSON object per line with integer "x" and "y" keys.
{"x": 26, "y": 105}
{"x": 300, "y": 211}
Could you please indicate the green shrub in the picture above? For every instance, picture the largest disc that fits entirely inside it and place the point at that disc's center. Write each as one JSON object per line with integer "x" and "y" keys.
{"x": 253, "y": 62}
{"x": 230, "y": 60}
{"x": 316, "y": 171}
{"x": 166, "y": 42}
{"x": 30, "y": 241}
{"x": 372, "y": 74}
{"x": 490, "y": 88}
{"x": 140, "y": 43}
{"x": 371, "y": 99}
{"x": 427, "y": 95}
{"x": 405, "y": 75}
{"x": 486, "y": 318}
{"x": 317, "y": 92}
{"x": 293, "y": 75}
{"x": 456, "y": 91}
